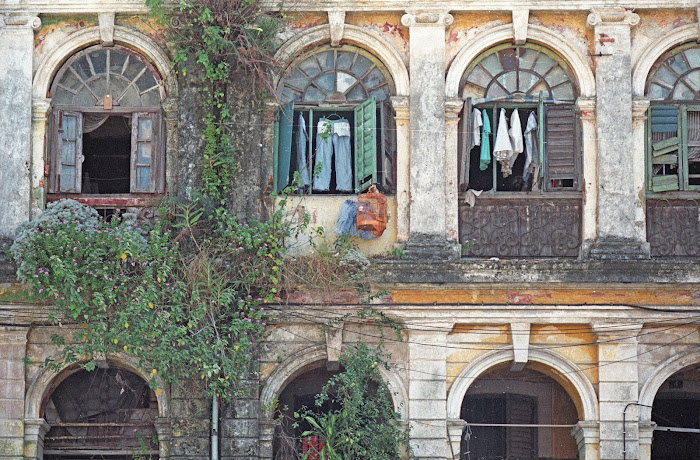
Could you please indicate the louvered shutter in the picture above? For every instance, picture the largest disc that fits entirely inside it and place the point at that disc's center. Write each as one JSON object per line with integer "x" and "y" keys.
{"x": 145, "y": 133}
{"x": 465, "y": 142}
{"x": 664, "y": 147}
{"x": 365, "y": 144}
{"x": 521, "y": 441}
{"x": 561, "y": 144}
{"x": 387, "y": 147}
{"x": 284, "y": 124}
{"x": 69, "y": 157}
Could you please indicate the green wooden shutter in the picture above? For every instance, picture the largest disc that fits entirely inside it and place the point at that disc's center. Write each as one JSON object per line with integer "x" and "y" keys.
{"x": 145, "y": 130}
{"x": 365, "y": 144}
{"x": 284, "y": 124}
{"x": 562, "y": 153}
{"x": 69, "y": 151}
{"x": 663, "y": 145}
{"x": 387, "y": 144}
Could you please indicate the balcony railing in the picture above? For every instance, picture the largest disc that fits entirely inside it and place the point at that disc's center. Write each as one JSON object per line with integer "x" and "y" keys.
{"x": 673, "y": 227}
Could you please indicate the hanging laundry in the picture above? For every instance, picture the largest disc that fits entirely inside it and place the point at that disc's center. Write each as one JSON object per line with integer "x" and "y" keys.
{"x": 532, "y": 155}
{"x": 477, "y": 123}
{"x": 343, "y": 165}
{"x": 502, "y": 148}
{"x": 485, "y": 156}
{"x": 516, "y": 137}
{"x": 302, "y": 139}
{"x": 323, "y": 154}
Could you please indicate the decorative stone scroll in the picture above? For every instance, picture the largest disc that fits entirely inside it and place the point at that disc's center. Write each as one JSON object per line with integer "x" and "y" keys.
{"x": 9, "y": 20}
{"x": 336, "y": 22}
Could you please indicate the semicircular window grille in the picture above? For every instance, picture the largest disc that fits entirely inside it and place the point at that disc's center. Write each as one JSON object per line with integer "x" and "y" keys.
{"x": 508, "y": 70}
{"x": 88, "y": 76}
{"x": 676, "y": 75}
{"x": 347, "y": 74}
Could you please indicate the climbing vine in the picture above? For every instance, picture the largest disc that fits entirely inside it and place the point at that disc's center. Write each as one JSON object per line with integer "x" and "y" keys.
{"x": 184, "y": 293}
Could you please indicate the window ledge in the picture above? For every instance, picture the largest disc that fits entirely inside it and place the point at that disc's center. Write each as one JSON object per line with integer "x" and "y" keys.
{"x": 136, "y": 200}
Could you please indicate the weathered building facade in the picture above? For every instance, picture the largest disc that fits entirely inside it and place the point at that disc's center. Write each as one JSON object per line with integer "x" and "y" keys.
{"x": 567, "y": 326}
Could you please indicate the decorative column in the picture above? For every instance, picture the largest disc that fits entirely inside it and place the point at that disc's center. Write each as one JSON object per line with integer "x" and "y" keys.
{"x": 164, "y": 432}
{"x": 427, "y": 122}
{"x": 586, "y": 112}
{"x": 13, "y": 346}
{"x": 41, "y": 108}
{"x": 646, "y": 434}
{"x": 34, "y": 431}
{"x": 453, "y": 108}
{"x": 427, "y": 391}
{"x": 618, "y": 386}
{"x": 620, "y": 232}
{"x": 16, "y": 52}
{"x": 403, "y": 150}
{"x": 455, "y": 428}
{"x": 170, "y": 118}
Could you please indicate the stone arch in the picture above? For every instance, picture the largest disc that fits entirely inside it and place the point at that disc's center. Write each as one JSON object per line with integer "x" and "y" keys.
{"x": 646, "y": 61}
{"x": 53, "y": 60}
{"x": 308, "y": 359}
{"x": 352, "y": 35}
{"x": 660, "y": 374}
{"x": 537, "y": 34}
{"x": 565, "y": 373}
{"x": 47, "y": 380}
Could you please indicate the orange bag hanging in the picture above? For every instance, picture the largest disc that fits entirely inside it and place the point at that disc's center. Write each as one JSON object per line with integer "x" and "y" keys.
{"x": 372, "y": 211}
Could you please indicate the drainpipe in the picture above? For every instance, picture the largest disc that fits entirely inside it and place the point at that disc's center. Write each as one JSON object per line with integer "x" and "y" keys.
{"x": 214, "y": 428}
{"x": 624, "y": 427}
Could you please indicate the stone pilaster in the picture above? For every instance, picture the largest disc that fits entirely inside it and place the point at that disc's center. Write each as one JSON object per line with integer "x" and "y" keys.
{"x": 646, "y": 434}
{"x": 13, "y": 346}
{"x": 427, "y": 390}
{"x": 34, "y": 431}
{"x": 453, "y": 108}
{"x": 41, "y": 109}
{"x": 618, "y": 386}
{"x": 585, "y": 107}
{"x": 164, "y": 432}
{"x": 427, "y": 122}
{"x": 587, "y": 439}
{"x": 403, "y": 149}
{"x": 620, "y": 233}
{"x": 16, "y": 51}
{"x": 454, "y": 431}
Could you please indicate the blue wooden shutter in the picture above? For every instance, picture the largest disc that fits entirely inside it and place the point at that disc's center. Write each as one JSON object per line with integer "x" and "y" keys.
{"x": 663, "y": 148}
{"x": 145, "y": 128}
{"x": 284, "y": 124}
{"x": 69, "y": 151}
{"x": 365, "y": 144}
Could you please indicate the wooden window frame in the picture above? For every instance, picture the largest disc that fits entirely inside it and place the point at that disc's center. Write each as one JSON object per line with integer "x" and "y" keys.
{"x": 157, "y": 140}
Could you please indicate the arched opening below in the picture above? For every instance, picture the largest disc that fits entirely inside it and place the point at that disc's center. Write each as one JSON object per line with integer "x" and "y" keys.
{"x": 108, "y": 413}
{"x": 676, "y": 411}
{"x": 523, "y": 415}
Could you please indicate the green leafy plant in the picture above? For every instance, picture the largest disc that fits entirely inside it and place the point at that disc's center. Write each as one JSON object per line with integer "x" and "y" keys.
{"x": 364, "y": 424}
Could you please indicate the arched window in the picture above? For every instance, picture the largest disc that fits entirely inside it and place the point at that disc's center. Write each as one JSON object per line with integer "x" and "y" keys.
{"x": 335, "y": 128}
{"x": 526, "y": 91}
{"x": 106, "y": 413}
{"x": 673, "y": 127}
{"x": 106, "y": 135}
{"x": 520, "y": 144}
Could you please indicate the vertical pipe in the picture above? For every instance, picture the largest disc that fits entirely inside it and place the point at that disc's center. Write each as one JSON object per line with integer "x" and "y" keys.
{"x": 214, "y": 428}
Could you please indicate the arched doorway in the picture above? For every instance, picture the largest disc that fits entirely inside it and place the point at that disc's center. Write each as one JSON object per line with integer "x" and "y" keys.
{"x": 108, "y": 413}
{"x": 298, "y": 395}
{"x": 524, "y": 415}
{"x": 676, "y": 412}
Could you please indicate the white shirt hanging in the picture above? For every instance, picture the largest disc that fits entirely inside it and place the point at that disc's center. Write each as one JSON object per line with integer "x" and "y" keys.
{"x": 516, "y": 137}
{"x": 503, "y": 148}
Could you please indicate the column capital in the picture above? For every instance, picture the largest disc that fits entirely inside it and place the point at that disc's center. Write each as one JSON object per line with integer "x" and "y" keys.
{"x": 639, "y": 107}
{"x": 401, "y": 107}
{"x": 10, "y": 334}
{"x": 20, "y": 21}
{"x": 453, "y": 107}
{"x": 40, "y": 108}
{"x": 612, "y": 17}
{"x": 586, "y": 107}
{"x": 586, "y": 432}
{"x": 427, "y": 19}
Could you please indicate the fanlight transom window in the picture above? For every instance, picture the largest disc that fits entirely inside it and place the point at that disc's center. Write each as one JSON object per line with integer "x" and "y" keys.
{"x": 335, "y": 75}
{"x": 509, "y": 70}
{"x": 117, "y": 72}
{"x": 676, "y": 76}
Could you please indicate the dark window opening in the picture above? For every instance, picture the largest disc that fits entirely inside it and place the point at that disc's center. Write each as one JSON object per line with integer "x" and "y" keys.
{"x": 106, "y": 413}
{"x": 107, "y": 152}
